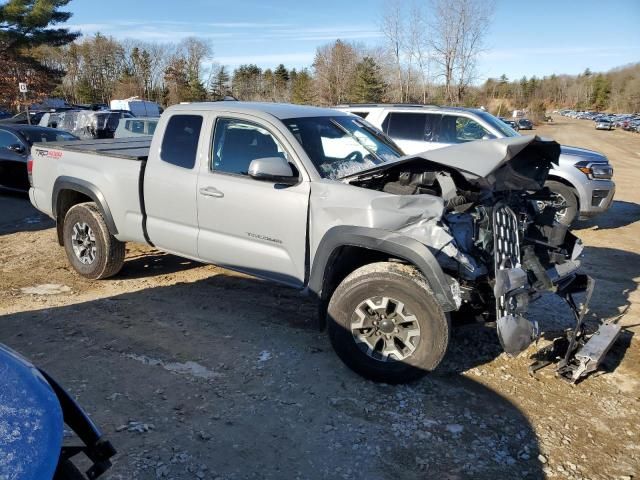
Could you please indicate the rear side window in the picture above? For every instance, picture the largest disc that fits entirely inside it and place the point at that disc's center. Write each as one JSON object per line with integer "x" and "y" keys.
{"x": 180, "y": 142}
{"x": 405, "y": 126}
{"x": 135, "y": 126}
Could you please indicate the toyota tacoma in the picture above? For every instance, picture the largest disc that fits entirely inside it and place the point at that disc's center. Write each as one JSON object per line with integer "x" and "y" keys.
{"x": 321, "y": 201}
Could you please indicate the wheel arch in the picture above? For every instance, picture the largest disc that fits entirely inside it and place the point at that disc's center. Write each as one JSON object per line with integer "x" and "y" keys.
{"x": 70, "y": 191}
{"x": 556, "y": 178}
{"x": 344, "y": 249}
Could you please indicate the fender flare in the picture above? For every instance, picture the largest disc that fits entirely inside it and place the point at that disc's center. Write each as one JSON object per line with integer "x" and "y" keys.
{"x": 88, "y": 189}
{"x": 391, "y": 243}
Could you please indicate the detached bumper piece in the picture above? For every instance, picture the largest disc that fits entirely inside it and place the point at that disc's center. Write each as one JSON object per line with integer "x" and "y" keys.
{"x": 577, "y": 354}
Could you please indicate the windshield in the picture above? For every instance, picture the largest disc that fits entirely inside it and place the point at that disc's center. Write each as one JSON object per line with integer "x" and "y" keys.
{"x": 37, "y": 135}
{"x": 499, "y": 125}
{"x": 342, "y": 145}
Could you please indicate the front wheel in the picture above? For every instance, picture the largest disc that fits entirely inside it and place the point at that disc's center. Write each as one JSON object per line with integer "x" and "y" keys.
{"x": 564, "y": 201}
{"x": 92, "y": 251}
{"x": 386, "y": 325}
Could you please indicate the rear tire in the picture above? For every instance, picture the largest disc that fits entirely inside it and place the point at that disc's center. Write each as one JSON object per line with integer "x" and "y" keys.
{"x": 568, "y": 196}
{"x": 92, "y": 251}
{"x": 417, "y": 339}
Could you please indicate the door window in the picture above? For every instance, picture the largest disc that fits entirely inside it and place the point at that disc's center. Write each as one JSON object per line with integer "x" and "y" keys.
{"x": 237, "y": 143}
{"x": 458, "y": 129}
{"x": 180, "y": 142}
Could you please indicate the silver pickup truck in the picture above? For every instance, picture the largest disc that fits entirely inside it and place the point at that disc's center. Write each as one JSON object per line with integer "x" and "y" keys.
{"x": 322, "y": 201}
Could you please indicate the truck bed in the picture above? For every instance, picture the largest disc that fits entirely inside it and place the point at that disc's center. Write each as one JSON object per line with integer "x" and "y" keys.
{"x": 135, "y": 148}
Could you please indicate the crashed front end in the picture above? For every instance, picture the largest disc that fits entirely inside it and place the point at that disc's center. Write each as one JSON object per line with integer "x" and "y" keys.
{"x": 499, "y": 239}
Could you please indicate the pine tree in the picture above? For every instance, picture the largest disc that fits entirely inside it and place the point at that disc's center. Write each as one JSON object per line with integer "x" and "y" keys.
{"x": 219, "y": 83}
{"x": 24, "y": 26}
{"x": 369, "y": 86}
{"x": 302, "y": 88}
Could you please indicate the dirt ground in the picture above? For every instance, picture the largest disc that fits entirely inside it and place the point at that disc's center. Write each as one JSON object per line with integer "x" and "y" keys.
{"x": 196, "y": 372}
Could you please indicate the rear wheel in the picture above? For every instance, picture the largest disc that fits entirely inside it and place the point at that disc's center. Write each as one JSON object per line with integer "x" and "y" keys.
{"x": 385, "y": 324}
{"x": 565, "y": 201}
{"x": 92, "y": 251}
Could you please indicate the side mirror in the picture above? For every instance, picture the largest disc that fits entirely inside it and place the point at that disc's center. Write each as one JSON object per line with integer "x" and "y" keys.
{"x": 272, "y": 169}
{"x": 16, "y": 147}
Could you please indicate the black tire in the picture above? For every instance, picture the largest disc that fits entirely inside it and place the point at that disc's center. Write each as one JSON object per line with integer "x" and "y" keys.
{"x": 107, "y": 257}
{"x": 569, "y": 195}
{"x": 405, "y": 284}
{"x": 68, "y": 471}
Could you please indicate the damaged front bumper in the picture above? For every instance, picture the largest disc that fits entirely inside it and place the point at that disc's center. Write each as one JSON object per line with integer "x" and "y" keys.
{"x": 517, "y": 279}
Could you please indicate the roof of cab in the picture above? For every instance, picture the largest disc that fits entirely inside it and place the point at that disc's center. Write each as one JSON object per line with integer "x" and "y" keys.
{"x": 278, "y": 110}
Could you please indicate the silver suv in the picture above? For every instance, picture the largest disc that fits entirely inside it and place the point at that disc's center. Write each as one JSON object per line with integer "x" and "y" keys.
{"x": 581, "y": 180}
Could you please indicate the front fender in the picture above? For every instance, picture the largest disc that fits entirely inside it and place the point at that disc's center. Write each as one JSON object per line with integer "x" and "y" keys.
{"x": 31, "y": 420}
{"x": 393, "y": 244}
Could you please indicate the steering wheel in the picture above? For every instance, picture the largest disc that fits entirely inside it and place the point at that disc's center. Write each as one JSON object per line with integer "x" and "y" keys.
{"x": 354, "y": 156}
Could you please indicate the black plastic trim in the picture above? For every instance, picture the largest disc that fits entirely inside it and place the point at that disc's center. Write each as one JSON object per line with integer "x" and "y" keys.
{"x": 396, "y": 245}
{"x": 86, "y": 188}
{"x": 96, "y": 446}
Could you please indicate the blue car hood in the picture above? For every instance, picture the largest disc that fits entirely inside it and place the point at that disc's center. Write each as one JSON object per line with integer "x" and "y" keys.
{"x": 31, "y": 423}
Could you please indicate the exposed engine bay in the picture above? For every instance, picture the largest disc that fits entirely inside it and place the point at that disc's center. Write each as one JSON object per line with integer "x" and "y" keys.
{"x": 499, "y": 239}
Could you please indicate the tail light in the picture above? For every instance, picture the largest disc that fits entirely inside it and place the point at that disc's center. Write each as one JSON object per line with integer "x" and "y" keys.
{"x": 30, "y": 169}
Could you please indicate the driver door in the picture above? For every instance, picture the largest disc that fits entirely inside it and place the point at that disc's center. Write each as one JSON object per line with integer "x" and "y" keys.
{"x": 255, "y": 226}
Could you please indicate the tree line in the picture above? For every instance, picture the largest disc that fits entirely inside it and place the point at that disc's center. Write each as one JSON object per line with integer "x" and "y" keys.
{"x": 428, "y": 54}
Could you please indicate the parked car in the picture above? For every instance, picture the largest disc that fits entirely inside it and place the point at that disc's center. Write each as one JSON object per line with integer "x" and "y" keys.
{"x": 581, "y": 180}
{"x": 387, "y": 244}
{"x": 512, "y": 123}
{"x": 21, "y": 118}
{"x": 136, "y": 127}
{"x": 604, "y": 124}
{"x": 35, "y": 409}
{"x": 4, "y": 114}
{"x": 524, "y": 124}
{"x": 15, "y": 144}
{"x": 86, "y": 124}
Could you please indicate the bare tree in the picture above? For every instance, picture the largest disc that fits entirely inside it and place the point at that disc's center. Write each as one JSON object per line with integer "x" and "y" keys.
{"x": 393, "y": 30}
{"x": 334, "y": 67}
{"x": 457, "y": 31}
{"x": 418, "y": 46}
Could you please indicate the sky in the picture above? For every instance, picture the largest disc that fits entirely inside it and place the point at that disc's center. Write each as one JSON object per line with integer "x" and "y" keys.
{"x": 535, "y": 37}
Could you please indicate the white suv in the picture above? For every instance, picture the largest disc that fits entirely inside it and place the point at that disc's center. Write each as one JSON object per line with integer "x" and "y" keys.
{"x": 581, "y": 180}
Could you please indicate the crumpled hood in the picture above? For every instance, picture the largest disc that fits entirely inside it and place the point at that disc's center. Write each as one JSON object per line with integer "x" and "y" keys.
{"x": 514, "y": 163}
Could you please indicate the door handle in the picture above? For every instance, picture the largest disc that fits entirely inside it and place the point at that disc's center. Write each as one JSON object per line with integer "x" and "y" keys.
{"x": 211, "y": 192}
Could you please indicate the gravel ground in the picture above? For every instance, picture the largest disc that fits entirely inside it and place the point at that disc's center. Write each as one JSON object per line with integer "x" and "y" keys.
{"x": 197, "y": 372}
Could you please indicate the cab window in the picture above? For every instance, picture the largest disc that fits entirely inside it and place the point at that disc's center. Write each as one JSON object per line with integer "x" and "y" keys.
{"x": 180, "y": 142}
{"x": 237, "y": 143}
